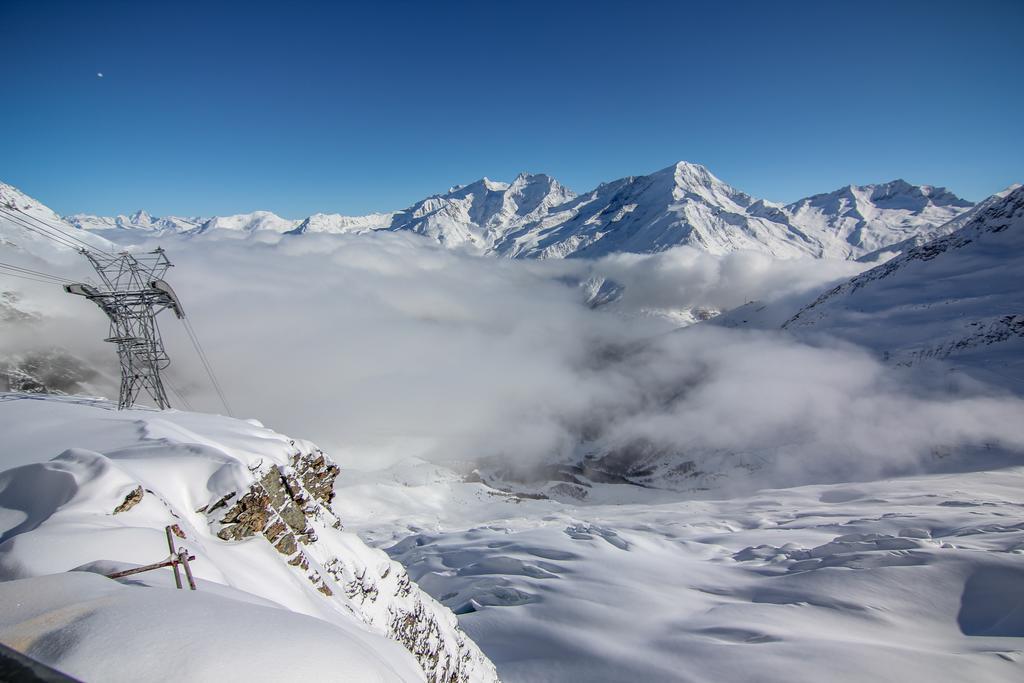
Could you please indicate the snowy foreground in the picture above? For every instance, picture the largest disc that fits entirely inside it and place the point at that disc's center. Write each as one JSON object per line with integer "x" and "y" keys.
{"x": 914, "y": 578}
{"x": 908, "y": 579}
{"x": 283, "y": 592}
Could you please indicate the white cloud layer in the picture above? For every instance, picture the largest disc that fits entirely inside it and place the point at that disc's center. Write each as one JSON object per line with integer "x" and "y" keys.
{"x": 382, "y": 346}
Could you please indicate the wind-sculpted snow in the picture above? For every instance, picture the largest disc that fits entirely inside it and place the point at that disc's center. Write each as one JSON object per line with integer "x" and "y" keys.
{"x": 92, "y": 488}
{"x": 914, "y": 578}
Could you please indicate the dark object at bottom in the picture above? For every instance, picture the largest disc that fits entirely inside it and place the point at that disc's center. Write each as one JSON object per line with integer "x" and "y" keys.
{"x": 16, "y": 667}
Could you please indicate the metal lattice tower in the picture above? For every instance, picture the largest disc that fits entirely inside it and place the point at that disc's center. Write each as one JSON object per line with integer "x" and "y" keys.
{"x": 132, "y": 292}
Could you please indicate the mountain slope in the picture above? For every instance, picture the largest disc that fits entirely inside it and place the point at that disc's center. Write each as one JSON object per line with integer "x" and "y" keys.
{"x": 25, "y": 223}
{"x": 683, "y": 204}
{"x": 535, "y": 216}
{"x": 854, "y": 220}
{"x": 927, "y": 233}
{"x": 483, "y": 213}
{"x": 957, "y": 298}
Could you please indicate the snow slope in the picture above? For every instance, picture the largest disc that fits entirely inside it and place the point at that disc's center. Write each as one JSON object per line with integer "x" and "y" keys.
{"x": 906, "y": 579}
{"x": 254, "y": 508}
{"x": 957, "y": 299}
{"x": 25, "y": 220}
{"x": 96, "y": 629}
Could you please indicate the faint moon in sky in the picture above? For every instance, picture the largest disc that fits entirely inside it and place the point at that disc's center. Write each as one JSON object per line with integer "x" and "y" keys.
{"x": 99, "y": 74}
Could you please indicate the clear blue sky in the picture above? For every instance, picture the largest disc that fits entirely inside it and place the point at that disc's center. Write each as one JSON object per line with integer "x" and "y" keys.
{"x": 215, "y": 108}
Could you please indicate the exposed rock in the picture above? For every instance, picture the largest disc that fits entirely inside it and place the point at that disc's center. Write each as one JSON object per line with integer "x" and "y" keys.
{"x": 289, "y": 506}
{"x": 131, "y": 500}
{"x": 46, "y": 371}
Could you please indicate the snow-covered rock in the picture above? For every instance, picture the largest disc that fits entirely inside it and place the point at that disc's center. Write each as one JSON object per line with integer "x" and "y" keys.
{"x": 253, "y": 506}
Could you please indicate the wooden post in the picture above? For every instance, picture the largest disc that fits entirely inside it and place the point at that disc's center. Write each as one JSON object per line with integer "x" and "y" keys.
{"x": 179, "y": 556}
{"x": 146, "y": 568}
{"x": 174, "y": 558}
{"x": 183, "y": 556}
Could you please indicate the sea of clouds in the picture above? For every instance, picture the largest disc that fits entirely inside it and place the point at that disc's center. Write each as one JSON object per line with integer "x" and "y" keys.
{"x": 385, "y": 346}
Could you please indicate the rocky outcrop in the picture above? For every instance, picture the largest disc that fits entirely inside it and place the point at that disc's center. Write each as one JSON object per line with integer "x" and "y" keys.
{"x": 289, "y": 507}
{"x": 133, "y": 498}
{"x": 45, "y": 371}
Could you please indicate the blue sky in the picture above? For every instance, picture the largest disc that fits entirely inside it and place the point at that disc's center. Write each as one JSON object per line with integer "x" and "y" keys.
{"x": 216, "y": 108}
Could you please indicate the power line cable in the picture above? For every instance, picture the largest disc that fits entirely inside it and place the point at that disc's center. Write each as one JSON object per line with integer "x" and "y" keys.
{"x": 37, "y": 273}
{"x": 178, "y": 394}
{"x": 53, "y": 227}
{"x": 19, "y": 221}
{"x": 206, "y": 364}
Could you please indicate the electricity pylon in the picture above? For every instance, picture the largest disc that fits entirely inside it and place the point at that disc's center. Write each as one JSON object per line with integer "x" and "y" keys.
{"x": 132, "y": 293}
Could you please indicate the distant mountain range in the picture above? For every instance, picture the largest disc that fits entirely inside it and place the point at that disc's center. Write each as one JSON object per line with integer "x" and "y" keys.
{"x": 535, "y": 216}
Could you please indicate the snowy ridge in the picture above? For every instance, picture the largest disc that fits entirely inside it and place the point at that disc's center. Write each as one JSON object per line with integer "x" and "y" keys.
{"x": 483, "y": 213}
{"x": 683, "y": 204}
{"x": 140, "y": 220}
{"x": 14, "y": 234}
{"x": 927, "y": 234}
{"x": 334, "y": 223}
{"x": 535, "y": 216}
{"x": 855, "y": 220}
{"x": 257, "y": 221}
{"x": 954, "y": 298}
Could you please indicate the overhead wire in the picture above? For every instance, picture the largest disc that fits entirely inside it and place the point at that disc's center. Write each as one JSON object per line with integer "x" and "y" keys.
{"x": 178, "y": 394}
{"x": 54, "y": 236}
{"x": 34, "y": 273}
{"x": 50, "y": 227}
{"x": 207, "y": 365}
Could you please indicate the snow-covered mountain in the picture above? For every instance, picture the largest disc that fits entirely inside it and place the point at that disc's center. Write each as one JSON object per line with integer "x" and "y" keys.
{"x": 484, "y": 213}
{"x": 246, "y": 223}
{"x": 335, "y": 223}
{"x": 925, "y": 234}
{"x": 858, "y": 219}
{"x": 958, "y": 298}
{"x": 140, "y": 220}
{"x": 683, "y": 204}
{"x": 535, "y": 216}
